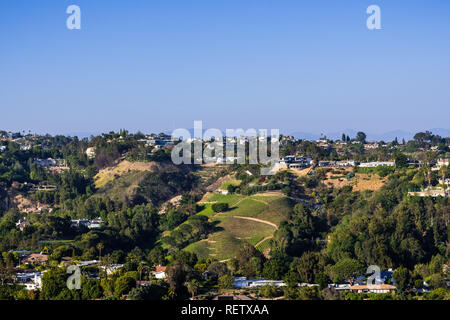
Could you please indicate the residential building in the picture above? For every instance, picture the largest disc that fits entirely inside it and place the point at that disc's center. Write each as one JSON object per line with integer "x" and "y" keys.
{"x": 376, "y": 164}
{"x": 36, "y": 258}
{"x": 112, "y": 268}
{"x": 91, "y": 152}
{"x": 243, "y": 282}
{"x": 160, "y": 272}
{"x": 375, "y": 288}
{"x": 442, "y": 162}
{"x": 45, "y": 163}
{"x": 31, "y": 280}
{"x": 22, "y": 223}
{"x": 91, "y": 224}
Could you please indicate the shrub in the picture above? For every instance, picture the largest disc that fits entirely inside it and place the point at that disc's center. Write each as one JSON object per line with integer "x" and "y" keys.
{"x": 219, "y": 207}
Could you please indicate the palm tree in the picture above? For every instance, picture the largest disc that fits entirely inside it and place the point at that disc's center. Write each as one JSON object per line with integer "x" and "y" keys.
{"x": 106, "y": 263}
{"x": 142, "y": 266}
{"x": 193, "y": 287}
{"x": 100, "y": 246}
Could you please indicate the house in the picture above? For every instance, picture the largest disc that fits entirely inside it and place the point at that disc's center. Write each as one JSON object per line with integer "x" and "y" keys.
{"x": 112, "y": 268}
{"x": 376, "y": 164}
{"x": 25, "y": 147}
{"x": 85, "y": 263}
{"x": 31, "y": 280}
{"x": 442, "y": 162}
{"x": 231, "y": 297}
{"x": 21, "y": 253}
{"x": 46, "y": 163}
{"x": 327, "y": 163}
{"x": 294, "y": 162}
{"x": 346, "y": 163}
{"x": 96, "y": 223}
{"x": 374, "y": 288}
{"x": 80, "y": 223}
{"x": 90, "y": 152}
{"x": 22, "y": 223}
{"x": 160, "y": 272}
{"x": 91, "y": 224}
{"x": 371, "y": 146}
{"x": 342, "y": 163}
{"x": 340, "y": 287}
{"x": 243, "y": 282}
{"x": 36, "y": 258}
{"x": 428, "y": 192}
{"x": 322, "y": 143}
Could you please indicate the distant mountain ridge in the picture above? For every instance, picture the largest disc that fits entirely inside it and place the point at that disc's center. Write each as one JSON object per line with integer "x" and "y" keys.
{"x": 386, "y": 136}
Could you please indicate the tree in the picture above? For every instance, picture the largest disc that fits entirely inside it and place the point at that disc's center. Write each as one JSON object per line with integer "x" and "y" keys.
{"x": 219, "y": 207}
{"x": 347, "y": 269}
{"x": 143, "y": 266}
{"x": 402, "y": 278}
{"x": 192, "y": 287}
{"x": 157, "y": 256}
{"x": 361, "y": 137}
{"x": 308, "y": 266}
{"x": 123, "y": 285}
{"x": 6, "y": 269}
{"x": 53, "y": 282}
{"x": 185, "y": 257}
{"x": 226, "y": 282}
{"x": 217, "y": 269}
{"x": 250, "y": 260}
{"x": 401, "y": 160}
{"x": 91, "y": 289}
{"x": 100, "y": 247}
{"x": 275, "y": 268}
{"x": 438, "y": 281}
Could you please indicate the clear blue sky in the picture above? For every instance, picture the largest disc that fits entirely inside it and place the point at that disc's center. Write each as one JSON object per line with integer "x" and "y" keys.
{"x": 296, "y": 65}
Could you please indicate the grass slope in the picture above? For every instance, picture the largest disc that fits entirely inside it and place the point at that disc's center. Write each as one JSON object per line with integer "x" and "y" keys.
{"x": 232, "y": 228}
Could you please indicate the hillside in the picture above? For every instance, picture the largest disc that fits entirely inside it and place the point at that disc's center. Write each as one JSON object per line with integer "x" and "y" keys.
{"x": 140, "y": 182}
{"x": 250, "y": 218}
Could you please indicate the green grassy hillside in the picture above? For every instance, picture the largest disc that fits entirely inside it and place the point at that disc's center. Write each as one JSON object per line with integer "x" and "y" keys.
{"x": 252, "y": 218}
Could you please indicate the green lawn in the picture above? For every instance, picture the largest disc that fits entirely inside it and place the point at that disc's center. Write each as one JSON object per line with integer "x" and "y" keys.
{"x": 233, "y": 182}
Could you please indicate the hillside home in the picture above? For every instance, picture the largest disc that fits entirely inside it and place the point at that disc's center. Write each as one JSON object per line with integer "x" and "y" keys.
{"x": 160, "y": 272}
{"x": 376, "y": 164}
{"x": 36, "y": 259}
{"x": 243, "y": 282}
{"x": 375, "y": 288}
{"x": 90, "y": 152}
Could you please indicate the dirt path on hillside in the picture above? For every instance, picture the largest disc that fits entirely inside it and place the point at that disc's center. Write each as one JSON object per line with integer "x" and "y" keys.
{"x": 266, "y": 238}
{"x": 261, "y": 201}
{"x": 258, "y": 220}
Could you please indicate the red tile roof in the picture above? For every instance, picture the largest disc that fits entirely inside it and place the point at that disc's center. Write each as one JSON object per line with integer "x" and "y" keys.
{"x": 160, "y": 269}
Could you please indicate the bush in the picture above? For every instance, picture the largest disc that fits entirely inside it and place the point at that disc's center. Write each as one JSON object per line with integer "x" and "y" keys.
{"x": 123, "y": 285}
{"x": 219, "y": 207}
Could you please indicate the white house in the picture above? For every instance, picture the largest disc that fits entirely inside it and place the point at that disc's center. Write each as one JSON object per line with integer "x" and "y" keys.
{"x": 243, "y": 282}
{"x": 443, "y": 162}
{"x": 31, "y": 280}
{"x": 90, "y": 152}
{"x": 160, "y": 272}
{"x": 376, "y": 164}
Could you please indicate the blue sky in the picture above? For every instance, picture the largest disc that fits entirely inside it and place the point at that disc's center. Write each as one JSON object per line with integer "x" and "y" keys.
{"x": 309, "y": 66}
